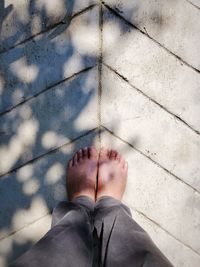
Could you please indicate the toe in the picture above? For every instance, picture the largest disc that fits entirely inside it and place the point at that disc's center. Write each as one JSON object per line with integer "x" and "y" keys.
{"x": 75, "y": 159}
{"x": 85, "y": 153}
{"x": 92, "y": 153}
{"x": 104, "y": 153}
{"x": 70, "y": 163}
{"x": 80, "y": 155}
{"x": 118, "y": 157}
{"x": 113, "y": 154}
{"x": 108, "y": 153}
{"x": 116, "y": 154}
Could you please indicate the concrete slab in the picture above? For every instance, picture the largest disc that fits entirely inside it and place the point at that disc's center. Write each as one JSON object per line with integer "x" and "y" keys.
{"x": 195, "y": 3}
{"x": 49, "y": 120}
{"x": 161, "y": 198}
{"x": 152, "y": 130}
{"x": 19, "y": 20}
{"x": 48, "y": 59}
{"x": 175, "y": 251}
{"x": 14, "y": 246}
{"x": 157, "y": 121}
{"x": 152, "y": 69}
{"x": 166, "y": 22}
{"x": 32, "y": 191}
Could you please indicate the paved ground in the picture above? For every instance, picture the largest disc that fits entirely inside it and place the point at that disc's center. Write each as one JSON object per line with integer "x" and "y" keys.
{"x": 125, "y": 74}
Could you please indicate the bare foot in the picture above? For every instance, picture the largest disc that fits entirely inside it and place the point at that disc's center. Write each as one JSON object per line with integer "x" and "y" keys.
{"x": 112, "y": 174}
{"x": 82, "y": 173}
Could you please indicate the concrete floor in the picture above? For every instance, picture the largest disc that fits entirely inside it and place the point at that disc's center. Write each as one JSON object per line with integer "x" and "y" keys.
{"x": 122, "y": 74}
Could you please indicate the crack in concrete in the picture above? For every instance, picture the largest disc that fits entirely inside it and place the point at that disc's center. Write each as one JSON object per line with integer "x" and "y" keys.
{"x": 100, "y": 64}
{"x": 151, "y": 99}
{"x": 100, "y": 59}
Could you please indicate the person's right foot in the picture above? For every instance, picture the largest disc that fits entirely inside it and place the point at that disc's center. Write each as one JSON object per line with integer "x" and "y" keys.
{"x": 112, "y": 174}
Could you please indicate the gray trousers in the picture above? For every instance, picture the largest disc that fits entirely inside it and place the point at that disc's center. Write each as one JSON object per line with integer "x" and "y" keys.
{"x": 86, "y": 234}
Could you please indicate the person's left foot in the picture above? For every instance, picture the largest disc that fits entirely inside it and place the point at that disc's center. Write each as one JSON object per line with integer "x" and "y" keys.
{"x": 82, "y": 173}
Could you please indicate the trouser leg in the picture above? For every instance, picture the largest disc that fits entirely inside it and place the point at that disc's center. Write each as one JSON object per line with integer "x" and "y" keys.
{"x": 68, "y": 243}
{"x": 123, "y": 241}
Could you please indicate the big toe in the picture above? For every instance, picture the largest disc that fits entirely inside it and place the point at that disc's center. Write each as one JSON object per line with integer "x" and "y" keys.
{"x": 104, "y": 154}
{"x": 93, "y": 154}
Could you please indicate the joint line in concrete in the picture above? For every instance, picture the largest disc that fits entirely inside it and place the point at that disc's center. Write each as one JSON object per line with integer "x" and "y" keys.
{"x": 155, "y": 162}
{"x": 193, "y": 4}
{"x": 48, "y": 152}
{"x": 25, "y": 226}
{"x": 151, "y": 38}
{"x": 46, "y": 89}
{"x": 152, "y": 100}
{"x": 166, "y": 231}
{"x": 47, "y": 29}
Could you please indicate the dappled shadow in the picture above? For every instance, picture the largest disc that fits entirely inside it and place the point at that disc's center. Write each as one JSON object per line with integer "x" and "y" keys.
{"x": 4, "y": 12}
{"x": 49, "y": 97}
{"x": 18, "y": 249}
{"x": 42, "y": 108}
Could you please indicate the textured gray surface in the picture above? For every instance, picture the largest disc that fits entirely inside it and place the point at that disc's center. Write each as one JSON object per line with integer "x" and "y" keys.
{"x": 167, "y": 23}
{"x": 48, "y": 120}
{"x": 153, "y": 70}
{"x": 48, "y": 59}
{"x": 122, "y": 74}
{"x": 150, "y": 129}
{"x": 20, "y": 20}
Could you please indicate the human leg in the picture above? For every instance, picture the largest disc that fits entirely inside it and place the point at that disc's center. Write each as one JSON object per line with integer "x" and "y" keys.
{"x": 70, "y": 241}
{"x": 123, "y": 241}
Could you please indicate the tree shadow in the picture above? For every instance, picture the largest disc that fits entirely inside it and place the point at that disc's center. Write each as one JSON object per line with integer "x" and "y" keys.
{"x": 42, "y": 99}
{"x": 49, "y": 98}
